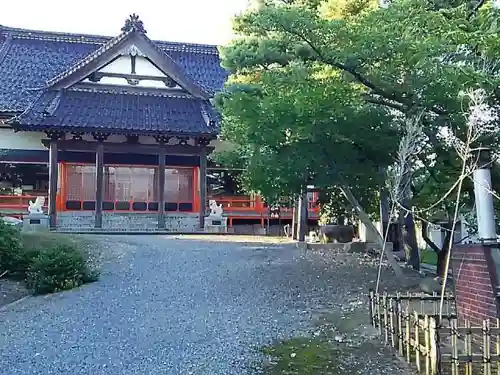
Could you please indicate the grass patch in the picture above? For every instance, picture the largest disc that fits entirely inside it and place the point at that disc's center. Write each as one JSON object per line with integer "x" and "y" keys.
{"x": 428, "y": 257}
{"x": 47, "y": 262}
{"x": 302, "y": 356}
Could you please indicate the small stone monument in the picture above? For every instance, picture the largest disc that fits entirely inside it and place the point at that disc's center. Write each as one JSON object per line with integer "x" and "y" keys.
{"x": 36, "y": 220}
{"x": 215, "y": 222}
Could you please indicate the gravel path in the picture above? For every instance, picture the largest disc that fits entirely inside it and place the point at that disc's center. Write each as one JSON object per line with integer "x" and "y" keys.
{"x": 180, "y": 306}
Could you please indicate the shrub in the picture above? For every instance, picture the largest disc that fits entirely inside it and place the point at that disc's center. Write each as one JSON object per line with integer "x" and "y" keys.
{"x": 58, "y": 268}
{"x": 47, "y": 262}
{"x": 13, "y": 258}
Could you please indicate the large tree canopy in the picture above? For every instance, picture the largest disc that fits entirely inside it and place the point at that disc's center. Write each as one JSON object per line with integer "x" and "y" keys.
{"x": 323, "y": 84}
{"x": 293, "y": 123}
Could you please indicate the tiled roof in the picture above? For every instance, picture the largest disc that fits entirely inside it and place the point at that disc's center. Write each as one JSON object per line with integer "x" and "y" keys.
{"x": 77, "y": 110}
{"x": 28, "y": 59}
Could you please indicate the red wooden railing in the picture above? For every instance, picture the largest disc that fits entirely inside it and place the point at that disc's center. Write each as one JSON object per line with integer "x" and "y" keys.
{"x": 16, "y": 205}
{"x": 243, "y": 207}
{"x": 243, "y": 203}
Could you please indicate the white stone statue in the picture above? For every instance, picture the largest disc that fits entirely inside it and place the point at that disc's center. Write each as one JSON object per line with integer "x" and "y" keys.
{"x": 215, "y": 209}
{"x": 37, "y": 206}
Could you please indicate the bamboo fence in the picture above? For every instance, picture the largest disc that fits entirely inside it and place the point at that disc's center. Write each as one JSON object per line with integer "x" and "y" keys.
{"x": 410, "y": 323}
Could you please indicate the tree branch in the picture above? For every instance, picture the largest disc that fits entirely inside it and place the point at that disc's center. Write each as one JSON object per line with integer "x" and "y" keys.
{"x": 425, "y": 237}
{"x": 385, "y": 103}
{"x": 474, "y": 10}
{"x": 351, "y": 70}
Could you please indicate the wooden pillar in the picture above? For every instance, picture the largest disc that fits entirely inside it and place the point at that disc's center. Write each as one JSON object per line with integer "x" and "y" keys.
{"x": 161, "y": 187}
{"x": 99, "y": 183}
{"x": 203, "y": 187}
{"x": 53, "y": 177}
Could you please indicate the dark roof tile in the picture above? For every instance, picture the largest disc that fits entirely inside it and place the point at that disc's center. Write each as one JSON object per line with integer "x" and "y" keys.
{"x": 29, "y": 63}
{"x": 31, "y": 58}
{"x": 124, "y": 112}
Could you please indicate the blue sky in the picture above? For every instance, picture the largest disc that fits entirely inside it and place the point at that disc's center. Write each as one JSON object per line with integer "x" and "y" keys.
{"x": 198, "y": 21}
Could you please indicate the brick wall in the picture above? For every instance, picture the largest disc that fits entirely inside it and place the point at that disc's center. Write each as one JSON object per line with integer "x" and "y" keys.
{"x": 474, "y": 273}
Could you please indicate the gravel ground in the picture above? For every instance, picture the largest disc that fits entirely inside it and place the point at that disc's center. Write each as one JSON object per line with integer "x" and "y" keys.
{"x": 174, "y": 305}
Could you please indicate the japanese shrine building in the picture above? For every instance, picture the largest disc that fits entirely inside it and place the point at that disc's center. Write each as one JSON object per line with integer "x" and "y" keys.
{"x": 125, "y": 124}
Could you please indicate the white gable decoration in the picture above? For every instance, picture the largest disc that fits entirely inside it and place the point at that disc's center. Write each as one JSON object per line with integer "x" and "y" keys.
{"x": 132, "y": 67}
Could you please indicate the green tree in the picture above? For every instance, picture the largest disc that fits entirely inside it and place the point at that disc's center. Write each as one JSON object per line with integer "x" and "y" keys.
{"x": 414, "y": 55}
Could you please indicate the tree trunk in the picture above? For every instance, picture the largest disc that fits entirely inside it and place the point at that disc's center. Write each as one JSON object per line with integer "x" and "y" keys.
{"x": 365, "y": 219}
{"x": 408, "y": 235}
{"x": 441, "y": 252}
{"x": 411, "y": 242}
{"x": 441, "y": 257}
{"x": 384, "y": 207}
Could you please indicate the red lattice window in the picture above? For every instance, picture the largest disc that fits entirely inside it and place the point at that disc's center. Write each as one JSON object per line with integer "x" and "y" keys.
{"x": 129, "y": 188}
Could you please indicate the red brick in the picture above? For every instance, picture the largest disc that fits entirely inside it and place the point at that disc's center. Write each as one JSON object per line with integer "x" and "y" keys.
{"x": 474, "y": 292}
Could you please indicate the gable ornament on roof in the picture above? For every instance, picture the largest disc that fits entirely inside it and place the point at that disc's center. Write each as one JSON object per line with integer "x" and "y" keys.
{"x": 133, "y": 23}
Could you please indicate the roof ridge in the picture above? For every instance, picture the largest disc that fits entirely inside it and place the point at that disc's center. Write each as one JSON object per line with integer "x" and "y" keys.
{"x": 32, "y": 105}
{"x": 99, "y": 39}
{"x": 117, "y": 91}
{"x": 4, "y": 47}
{"x": 160, "y": 50}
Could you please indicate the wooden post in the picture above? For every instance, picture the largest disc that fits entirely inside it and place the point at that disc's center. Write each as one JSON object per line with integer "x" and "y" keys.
{"x": 302, "y": 216}
{"x": 99, "y": 183}
{"x": 161, "y": 187}
{"x": 53, "y": 178}
{"x": 203, "y": 187}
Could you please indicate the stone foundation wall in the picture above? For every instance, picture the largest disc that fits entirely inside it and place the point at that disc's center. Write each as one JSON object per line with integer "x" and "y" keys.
{"x": 475, "y": 277}
{"x": 126, "y": 222}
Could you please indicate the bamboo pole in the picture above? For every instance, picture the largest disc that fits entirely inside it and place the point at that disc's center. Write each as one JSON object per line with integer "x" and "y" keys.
{"x": 386, "y": 319}
{"x": 391, "y": 323}
{"x": 486, "y": 348}
{"x": 427, "y": 343}
{"x": 417, "y": 341}
{"x": 434, "y": 304}
{"x": 468, "y": 348}
{"x": 454, "y": 348}
{"x": 400, "y": 326}
{"x": 498, "y": 346}
{"x": 379, "y": 314}
{"x": 434, "y": 343}
{"x": 408, "y": 336}
{"x": 372, "y": 307}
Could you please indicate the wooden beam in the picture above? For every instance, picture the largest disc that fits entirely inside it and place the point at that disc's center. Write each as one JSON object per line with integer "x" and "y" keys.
{"x": 53, "y": 177}
{"x": 161, "y": 188}
{"x": 203, "y": 188}
{"x": 127, "y": 148}
{"x": 99, "y": 181}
